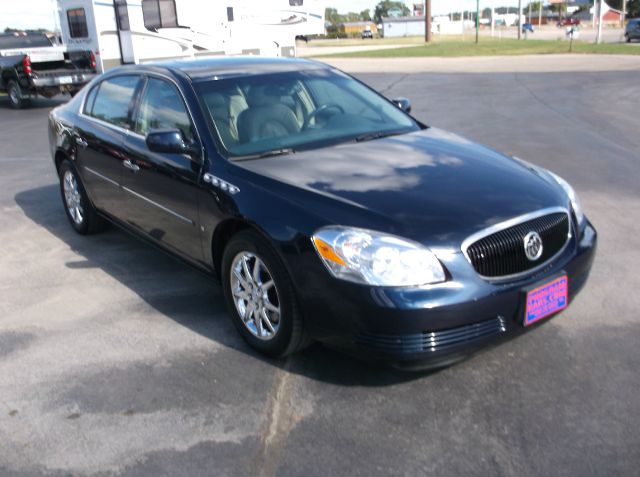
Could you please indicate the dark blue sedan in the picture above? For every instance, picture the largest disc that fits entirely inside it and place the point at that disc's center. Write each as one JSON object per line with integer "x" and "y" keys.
{"x": 327, "y": 212}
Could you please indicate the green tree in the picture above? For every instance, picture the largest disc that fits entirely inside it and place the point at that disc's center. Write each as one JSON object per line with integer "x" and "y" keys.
{"x": 365, "y": 15}
{"x": 332, "y": 16}
{"x": 386, "y": 7}
{"x": 633, "y": 7}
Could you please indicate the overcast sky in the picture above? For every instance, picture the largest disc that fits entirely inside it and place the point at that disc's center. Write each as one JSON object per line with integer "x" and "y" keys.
{"x": 41, "y": 13}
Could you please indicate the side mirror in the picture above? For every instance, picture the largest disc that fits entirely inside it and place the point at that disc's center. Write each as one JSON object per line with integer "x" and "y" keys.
{"x": 171, "y": 141}
{"x": 403, "y": 103}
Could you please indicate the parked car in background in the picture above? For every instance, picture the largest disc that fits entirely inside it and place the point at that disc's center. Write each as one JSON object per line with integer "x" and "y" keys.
{"x": 326, "y": 210}
{"x": 367, "y": 34}
{"x": 632, "y": 31}
{"x": 31, "y": 65}
{"x": 568, "y": 21}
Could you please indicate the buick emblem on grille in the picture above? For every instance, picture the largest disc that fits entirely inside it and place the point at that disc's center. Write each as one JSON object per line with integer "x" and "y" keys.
{"x": 533, "y": 246}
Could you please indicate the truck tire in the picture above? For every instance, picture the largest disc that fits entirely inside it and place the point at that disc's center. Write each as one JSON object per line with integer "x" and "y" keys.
{"x": 15, "y": 95}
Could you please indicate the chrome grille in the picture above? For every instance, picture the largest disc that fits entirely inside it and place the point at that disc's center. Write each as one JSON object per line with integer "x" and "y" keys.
{"x": 433, "y": 341}
{"x": 502, "y": 252}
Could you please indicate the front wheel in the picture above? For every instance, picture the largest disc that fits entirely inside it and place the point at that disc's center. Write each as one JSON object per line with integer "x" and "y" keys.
{"x": 260, "y": 296}
{"x": 83, "y": 217}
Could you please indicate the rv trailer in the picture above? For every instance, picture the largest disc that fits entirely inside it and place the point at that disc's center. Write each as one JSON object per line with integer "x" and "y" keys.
{"x": 138, "y": 31}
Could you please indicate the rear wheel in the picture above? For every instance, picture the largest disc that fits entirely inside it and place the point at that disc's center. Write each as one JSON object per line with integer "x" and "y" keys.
{"x": 260, "y": 296}
{"x": 15, "y": 95}
{"x": 83, "y": 217}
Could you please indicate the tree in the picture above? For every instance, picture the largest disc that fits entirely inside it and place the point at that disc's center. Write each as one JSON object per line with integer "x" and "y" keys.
{"x": 386, "y": 7}
{"x": 633, "y": 7}
{"x": 332, "y": 16}
{"x": 365, "y": 15}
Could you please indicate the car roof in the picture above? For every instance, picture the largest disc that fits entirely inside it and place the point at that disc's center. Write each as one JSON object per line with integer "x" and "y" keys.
{"x": 228, "y": 66}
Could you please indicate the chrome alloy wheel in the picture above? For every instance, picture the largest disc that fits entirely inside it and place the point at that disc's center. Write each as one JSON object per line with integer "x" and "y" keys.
{"x": 73, "y": 198}
{"x": 255, "y": 295}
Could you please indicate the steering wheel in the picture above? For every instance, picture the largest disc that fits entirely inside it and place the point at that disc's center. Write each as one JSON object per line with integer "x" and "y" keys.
{"x": 321, "y": 109}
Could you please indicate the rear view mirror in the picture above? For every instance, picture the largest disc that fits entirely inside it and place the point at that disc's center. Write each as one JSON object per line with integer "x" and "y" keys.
{"x": 171, "y": 141}
{"x": 403, "y": 103}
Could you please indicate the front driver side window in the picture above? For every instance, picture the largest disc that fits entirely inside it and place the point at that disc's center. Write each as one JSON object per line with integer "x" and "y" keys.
{"x": 162, "y": 107}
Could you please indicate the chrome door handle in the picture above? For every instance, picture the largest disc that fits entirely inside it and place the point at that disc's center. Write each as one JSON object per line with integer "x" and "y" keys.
{"x": 130, "y": 165}
{"x": 81, "y": 142}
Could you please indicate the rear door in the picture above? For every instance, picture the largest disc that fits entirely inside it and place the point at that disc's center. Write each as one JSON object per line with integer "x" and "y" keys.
{"x": 161, "y": 189}
{"x": 99, "y": 136}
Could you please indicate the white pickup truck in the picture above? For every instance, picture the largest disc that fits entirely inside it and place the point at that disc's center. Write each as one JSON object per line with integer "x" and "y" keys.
{"x": 30, "y": 65}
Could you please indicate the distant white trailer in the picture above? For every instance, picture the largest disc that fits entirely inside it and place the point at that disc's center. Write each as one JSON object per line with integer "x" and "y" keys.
{"x": 138, "y": 31}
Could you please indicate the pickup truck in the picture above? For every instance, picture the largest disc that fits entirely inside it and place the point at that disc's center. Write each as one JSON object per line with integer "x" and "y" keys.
{"x": 31, "y": 65}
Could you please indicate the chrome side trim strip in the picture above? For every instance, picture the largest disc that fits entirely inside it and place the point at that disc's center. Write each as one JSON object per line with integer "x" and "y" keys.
{"x": 510, "y": 223}
{"x": 97, "y": 174}
{"x": 162, "y": 207}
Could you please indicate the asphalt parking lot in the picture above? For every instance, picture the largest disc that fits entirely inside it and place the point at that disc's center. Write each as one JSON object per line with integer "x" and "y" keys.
{"x": 116, "y": 359}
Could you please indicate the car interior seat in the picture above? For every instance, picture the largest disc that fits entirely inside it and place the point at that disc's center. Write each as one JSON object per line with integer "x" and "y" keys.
{"x": 266, "y": 117}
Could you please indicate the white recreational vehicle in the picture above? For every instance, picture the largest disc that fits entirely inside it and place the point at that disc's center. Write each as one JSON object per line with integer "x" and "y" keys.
{"x": 137, "y": 31}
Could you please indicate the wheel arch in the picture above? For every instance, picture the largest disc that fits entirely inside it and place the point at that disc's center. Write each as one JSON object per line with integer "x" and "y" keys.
{"x": 226, "y": 229}
{"x": 60, "y": 156}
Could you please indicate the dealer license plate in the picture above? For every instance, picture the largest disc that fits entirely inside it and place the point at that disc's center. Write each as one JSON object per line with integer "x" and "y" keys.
{"x": 65, "y": 80}
{"x": 546, "y": 299}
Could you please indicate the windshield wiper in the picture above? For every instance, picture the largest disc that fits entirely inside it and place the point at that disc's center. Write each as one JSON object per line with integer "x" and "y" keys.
{"x": 271, "y": 153}
{"x": 376, "y": 135}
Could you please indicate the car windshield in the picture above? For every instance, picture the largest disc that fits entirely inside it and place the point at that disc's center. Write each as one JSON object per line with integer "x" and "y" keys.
{"x": 278, "y": 113}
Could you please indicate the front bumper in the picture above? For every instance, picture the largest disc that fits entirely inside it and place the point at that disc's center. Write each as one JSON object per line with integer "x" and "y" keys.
{"x": 432, "y": 325}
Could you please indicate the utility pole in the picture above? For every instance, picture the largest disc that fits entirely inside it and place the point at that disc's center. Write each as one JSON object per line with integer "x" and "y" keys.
{"x": 599, "y": 35}
{"x": 624, "y": 13}
{"x": 540, "y": 15}
{"x": 427, "y": 21}
{"x": 477, "y": 21}
{"x": 518, "y": 22}
{"x": 493, "y": 21}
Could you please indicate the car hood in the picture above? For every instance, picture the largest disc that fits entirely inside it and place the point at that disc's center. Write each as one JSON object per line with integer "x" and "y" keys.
{"x": 432, "y": 186}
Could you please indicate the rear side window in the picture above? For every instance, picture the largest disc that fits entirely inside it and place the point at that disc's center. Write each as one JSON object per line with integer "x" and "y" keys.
{"x": 114, "y": 99}
{"x": 161, "y": 107}
{"x": 77, "y": 23}
{"x": 91, "y": 97}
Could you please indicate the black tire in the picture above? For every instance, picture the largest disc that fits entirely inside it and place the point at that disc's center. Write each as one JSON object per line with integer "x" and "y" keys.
{"x": 90, "y": 222}
{"x": 14, "y": 91}
{"x": 290, "y": 335}
{"x": 628, "y": 39}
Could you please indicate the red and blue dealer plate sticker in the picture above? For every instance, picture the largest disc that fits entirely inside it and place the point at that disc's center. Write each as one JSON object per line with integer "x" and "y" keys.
{"x": 546, "y": 300}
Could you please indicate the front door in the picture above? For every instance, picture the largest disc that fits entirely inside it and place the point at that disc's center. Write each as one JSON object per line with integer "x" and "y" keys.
{"x": 161, "y": 189}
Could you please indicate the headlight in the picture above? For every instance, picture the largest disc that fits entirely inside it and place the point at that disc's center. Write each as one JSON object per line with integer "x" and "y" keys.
{"x": 372, "y": 258}
{"x": 573, "y": 197}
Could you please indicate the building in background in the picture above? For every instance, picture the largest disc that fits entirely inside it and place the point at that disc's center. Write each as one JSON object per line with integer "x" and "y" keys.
{"x": 356, "y": 28}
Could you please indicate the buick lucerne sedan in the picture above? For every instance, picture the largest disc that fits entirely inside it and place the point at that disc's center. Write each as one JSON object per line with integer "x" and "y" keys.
{"x": 327, "y": 212}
